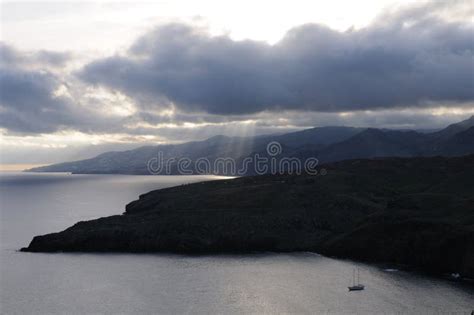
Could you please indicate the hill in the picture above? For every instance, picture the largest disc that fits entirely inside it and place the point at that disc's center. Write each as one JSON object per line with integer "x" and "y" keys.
{"x": 415, "y": 211}
{"x": 328, "y": 144}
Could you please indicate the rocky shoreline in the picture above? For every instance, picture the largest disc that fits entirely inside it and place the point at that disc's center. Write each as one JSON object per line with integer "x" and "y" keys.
{"x": 413, "y": 211}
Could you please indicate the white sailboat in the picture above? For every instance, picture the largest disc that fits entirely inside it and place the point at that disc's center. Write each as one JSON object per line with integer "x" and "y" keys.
{"x": 354, "y": 286}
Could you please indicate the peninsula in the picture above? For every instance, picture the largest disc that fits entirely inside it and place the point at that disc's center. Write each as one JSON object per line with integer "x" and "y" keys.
{"x": 414, "y": 211}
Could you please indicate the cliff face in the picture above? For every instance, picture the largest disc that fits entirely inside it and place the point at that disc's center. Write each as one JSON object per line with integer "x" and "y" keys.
{"x": 417, "y": 211}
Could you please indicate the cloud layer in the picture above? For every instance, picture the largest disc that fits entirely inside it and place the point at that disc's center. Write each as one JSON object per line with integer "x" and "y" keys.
{"x": 36, "y": 97}
{"x": 177, "y": 82}
{"x": 411, "y": 58}
{"x": 27, "y": 100}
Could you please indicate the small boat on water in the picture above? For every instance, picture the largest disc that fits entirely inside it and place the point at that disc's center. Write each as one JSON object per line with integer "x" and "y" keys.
{"x": 354, "y": 286}
{"x": 455, "y": 276}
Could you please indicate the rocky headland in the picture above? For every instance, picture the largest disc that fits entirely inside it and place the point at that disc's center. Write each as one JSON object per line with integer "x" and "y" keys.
{"x": 413, "y": 211}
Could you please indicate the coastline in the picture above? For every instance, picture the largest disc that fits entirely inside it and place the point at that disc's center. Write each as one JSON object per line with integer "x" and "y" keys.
{"x": 368, "y": 210}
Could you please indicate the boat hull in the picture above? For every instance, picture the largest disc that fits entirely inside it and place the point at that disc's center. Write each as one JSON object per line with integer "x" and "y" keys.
{"x": 356, "y": 288}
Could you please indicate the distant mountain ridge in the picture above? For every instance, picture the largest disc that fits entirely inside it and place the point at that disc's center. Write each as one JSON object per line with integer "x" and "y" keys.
{"x": 327, "y": 144}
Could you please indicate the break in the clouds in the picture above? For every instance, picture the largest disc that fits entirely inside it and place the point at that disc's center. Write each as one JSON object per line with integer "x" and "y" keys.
{"x": 409, "y": 59}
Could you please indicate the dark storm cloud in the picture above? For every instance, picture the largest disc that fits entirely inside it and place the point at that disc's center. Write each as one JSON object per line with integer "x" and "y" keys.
{"x": 402, "y": 60}
{"x": 28, "y": 99}
{"x": 27, "y": 104}
{"x": 405, "y": 59}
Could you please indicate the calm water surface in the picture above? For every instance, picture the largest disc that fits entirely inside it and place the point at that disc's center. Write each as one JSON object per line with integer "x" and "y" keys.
{"x": 304, "y": 283}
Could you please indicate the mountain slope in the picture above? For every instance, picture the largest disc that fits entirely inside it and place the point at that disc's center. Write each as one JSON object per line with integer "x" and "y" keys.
{"x": 325, "y": 143}
{"x": 375, "y": 143}
{"x": 456, "y": 139}
{"x": 460, "y": 144}
{"x": 453, "y": 129}
{"x": 320, "y": 136}
{"x": 135, "y": 161}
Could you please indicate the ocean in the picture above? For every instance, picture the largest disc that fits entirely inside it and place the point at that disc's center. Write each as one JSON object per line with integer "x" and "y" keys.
{"x": 266, "y": 283}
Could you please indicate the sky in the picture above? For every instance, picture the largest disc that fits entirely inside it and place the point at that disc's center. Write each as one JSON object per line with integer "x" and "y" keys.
{"x": 81, "y": 78}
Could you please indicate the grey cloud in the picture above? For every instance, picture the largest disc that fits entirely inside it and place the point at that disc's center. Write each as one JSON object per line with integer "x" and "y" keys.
{"x": 393, "y": 119}
{"x": 57, "y": 59}
{"x": 42, "y": 58}
{"x": 402, "y": 60}
{"x": 28, "y": 103}
{"x": 407, "y": 59}
{"x": 208, "y": 125}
